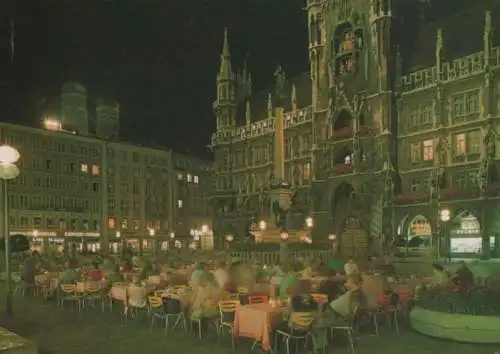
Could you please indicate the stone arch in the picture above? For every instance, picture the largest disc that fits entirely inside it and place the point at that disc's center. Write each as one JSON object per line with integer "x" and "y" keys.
{"x": 419, "y": 232}
{"x": 465, "y": 233}
{"x": 343, "y": 192}
{"x": 343, "y": 120}
{"x": 340, "y": 32}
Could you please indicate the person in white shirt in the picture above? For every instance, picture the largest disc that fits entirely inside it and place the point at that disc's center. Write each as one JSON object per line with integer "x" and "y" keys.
{"x": 341, "y": 309}
{"x": 221, "y": 275}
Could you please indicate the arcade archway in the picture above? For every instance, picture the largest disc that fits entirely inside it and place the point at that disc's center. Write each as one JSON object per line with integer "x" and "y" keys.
{"x": 419, "y": 233}
{"x": 466, "y": 235}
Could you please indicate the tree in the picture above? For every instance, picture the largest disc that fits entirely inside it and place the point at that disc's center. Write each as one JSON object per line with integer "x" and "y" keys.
{"x": 17, "y": 243}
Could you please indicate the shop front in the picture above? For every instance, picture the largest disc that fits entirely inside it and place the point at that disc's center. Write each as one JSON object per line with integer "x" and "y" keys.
{"x": 466, "y": 237}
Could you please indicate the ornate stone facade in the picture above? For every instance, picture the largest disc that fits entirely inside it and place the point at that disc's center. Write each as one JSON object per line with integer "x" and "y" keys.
{"x": 382, "y": 128}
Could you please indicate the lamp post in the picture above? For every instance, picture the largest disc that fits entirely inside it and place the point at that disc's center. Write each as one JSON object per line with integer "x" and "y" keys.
{"x": 333, "y": 240}
{"x": 229, "y": 239}
{"x": 445, "y": 216}
{"x": 8, "y": 170}
{"x": 284, "y": 246}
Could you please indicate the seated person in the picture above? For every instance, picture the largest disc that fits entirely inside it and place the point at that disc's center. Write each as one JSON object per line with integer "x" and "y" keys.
{"x": 221, "y": 274}
{"x": 288, "y": 283}
{"x": 463, "y": 278}
{"x": 198, "y": 272}
{"x": 206, "y": 296}
{"x": 308, "y": 271}
{"x": 351, "y": 268}
{"x": 94, "y": 274}
{"x": 137, "y": 294}
{"x": 28, "y": 270}
{"x": 341, "y": 310}
{"x": 440, "y": 275}
{"x": 302, "y": 300}
{"x": 69, "y": 275}
{"x": 323, "y": 270}
{"x": 330, "y": 288}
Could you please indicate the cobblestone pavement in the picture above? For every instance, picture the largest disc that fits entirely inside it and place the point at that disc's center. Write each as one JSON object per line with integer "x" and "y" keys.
{"x": 63, "y": 332}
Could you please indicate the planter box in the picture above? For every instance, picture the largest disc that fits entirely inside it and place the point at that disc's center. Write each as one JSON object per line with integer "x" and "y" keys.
{"x": 457, "y": 327}
{"x": 11, "y": 343}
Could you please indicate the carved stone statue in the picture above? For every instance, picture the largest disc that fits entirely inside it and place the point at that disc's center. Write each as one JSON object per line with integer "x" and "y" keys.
{"x": 490, "y": 142}
{"x": 388, "y": 188}
{"x": 279, "y": 95}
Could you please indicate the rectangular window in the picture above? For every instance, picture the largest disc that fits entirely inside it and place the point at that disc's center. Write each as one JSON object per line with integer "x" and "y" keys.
{"x": 458, "y": 106}
{"x": 84, "y": 168}
{"x": 95, "y": 170}
{"x": 180, "y": 204}
{"x": 474, "y": 142}
{"x": 428, "y": 150}
{"x": 460, "y": 181}
{"x": 189, "y": 178}
{"x": 415, "y": 185}
{"x": 111, "y": 223}
{"x": 196, "y": 179}
{"x": 459, "y": 142}
{"x": 426, "y": 115}
{"x": 415, "y": 152}
{"x": 306, "y": 172}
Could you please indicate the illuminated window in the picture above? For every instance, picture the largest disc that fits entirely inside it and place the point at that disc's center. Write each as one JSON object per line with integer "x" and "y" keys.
{"x": 95, "y": 170}
{"x": 111, "y": 223}
{"x": 84, "y": 167}
{"x": 460, "y": 144}
{"x": 415, "y": 152}
{"x": 474, "y": 142}
{"x": 306, "y": 171}
{"x": 179, "y": 176}
{"x": 428, "y": 150}
{"x": 189, "y": 178}
{"x": 348, "y": 160}
{"x": 196, "y": 179}
{"x": 180, "y": 203}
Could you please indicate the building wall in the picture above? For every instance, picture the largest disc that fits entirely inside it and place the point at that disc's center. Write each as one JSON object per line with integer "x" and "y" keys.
{"x": 193, "y": 182}
{"x": 375, "y": 134}
{"x": 87, "y": 187}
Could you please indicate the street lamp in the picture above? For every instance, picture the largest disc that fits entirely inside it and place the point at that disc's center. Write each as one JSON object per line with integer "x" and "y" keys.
{"x": 444, "y": 216}
{"x": 284, "y": 236}
{"x": 333, "y": 239}
{"x": 309, "y": 222}
{"x": 8, "y": 170}
{"x": 229, "y": 239}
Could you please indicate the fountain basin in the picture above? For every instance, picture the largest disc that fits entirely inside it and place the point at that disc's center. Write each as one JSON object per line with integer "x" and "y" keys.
{"x": 457, "y": 327}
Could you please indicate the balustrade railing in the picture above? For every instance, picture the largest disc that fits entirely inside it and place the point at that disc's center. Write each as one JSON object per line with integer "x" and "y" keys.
{"x": 262, "y": 127}
{"x": 450, "y": 71}
{"x": 272, "y": 258}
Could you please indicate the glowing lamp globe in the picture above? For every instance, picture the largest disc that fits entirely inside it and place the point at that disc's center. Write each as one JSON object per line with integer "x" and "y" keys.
{"x": 445, "y": 215}
{"x": 332, "y": 237}
{"x": 8, "y": 155}
{"x": 284, "y": 236}
{"x": 229, "y": 238}
{"x": 8, "y": 171}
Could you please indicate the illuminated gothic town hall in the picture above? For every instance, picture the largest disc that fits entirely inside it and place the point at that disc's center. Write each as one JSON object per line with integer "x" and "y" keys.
{"x": 388, "y": 139}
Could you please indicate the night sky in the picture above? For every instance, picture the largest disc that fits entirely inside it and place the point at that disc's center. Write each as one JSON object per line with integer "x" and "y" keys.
{"x": 159, "y": 59}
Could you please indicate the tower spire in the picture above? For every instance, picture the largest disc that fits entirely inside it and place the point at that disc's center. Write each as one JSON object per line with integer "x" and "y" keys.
{"x": 248, "y": 114}
{"x": 225, "y": 71}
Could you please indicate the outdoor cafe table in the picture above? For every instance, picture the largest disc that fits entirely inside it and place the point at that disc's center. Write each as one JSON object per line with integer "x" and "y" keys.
{"x": 256, "y": 322}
